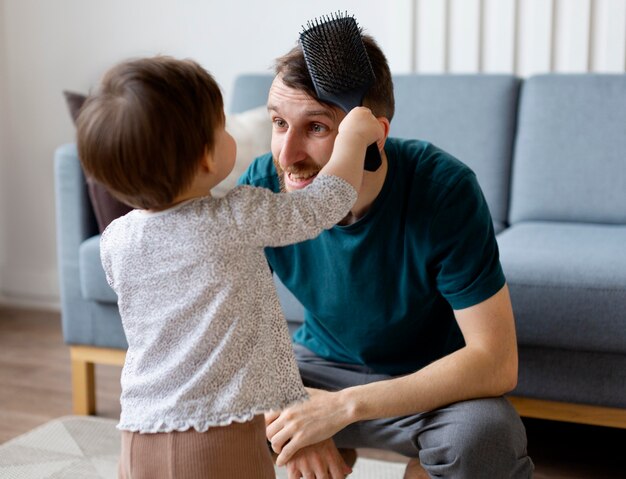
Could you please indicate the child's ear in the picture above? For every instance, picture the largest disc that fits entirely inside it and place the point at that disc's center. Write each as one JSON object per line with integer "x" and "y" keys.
{"x": 208, "y": 161}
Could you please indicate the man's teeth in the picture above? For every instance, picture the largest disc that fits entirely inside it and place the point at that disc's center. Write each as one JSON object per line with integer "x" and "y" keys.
{"x": 301, "y": 177}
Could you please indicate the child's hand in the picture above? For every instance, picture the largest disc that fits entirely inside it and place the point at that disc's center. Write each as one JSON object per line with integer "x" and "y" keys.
{"x": 362, "y": 124}
{"x": 358, "y": 130}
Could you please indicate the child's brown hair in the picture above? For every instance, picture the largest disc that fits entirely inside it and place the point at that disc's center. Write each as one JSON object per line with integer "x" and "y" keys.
{"x": 144, "y": 131}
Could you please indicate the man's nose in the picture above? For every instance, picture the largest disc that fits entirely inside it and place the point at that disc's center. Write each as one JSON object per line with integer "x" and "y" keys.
{"x": 293, "y": 149}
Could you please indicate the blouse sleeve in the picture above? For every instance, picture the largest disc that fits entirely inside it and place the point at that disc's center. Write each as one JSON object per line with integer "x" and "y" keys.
{"x": 105, "y": 256}
{"x": 262, "y": 217}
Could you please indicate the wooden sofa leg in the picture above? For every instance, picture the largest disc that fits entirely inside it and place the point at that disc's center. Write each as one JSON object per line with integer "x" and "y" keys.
{"x": 83, "y": 387}
{"x": 84, "y": 359}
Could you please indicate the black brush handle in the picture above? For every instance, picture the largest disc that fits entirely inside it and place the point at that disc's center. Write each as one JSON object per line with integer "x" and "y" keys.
{"x": 347, "y": 101}
{"x": 372, "y": 158}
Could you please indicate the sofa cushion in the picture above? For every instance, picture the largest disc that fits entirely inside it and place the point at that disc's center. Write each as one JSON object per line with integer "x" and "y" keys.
{"x": 568, "y": 284}
{"x": 106, "y": 207}
{"x": 93, "y": 283}
{"x": 581, "y": 377}
{"x": 250, "y": 91}
{"x": 74, "y": 102}
{"x": 252, "y": 131}
{"x": 569, "y": 157}
{"x": 470, "y": 116}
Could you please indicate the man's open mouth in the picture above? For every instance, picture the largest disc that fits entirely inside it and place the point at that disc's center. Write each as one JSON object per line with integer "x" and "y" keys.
{"x": 300, "y": 180}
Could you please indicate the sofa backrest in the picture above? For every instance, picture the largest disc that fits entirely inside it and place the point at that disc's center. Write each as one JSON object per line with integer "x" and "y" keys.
{"x": 569, "y": 162}
{"x": 249, "y": 91}
{"x": 471, "y": 117}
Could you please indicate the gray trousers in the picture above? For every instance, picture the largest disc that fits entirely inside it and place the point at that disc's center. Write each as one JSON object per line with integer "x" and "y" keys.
{"x": 470, "y": 439}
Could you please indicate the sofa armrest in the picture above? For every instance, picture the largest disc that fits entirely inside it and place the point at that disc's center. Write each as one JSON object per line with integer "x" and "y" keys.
{"x": 75, "y": 222}
{"x": 74, "y": 213}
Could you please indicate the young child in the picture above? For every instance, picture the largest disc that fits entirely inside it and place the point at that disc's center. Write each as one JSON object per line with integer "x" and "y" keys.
{"x": 208, "y": 348}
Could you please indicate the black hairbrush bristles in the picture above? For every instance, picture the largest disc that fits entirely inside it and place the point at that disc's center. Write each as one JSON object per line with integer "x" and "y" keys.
{"x": 339, "y": 66}
{"x": 336, "y": 57}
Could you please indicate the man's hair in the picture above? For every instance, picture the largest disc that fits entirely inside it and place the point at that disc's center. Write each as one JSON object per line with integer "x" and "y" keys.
{"x": 295, "y": 74}
{"x": 146, "y": 128}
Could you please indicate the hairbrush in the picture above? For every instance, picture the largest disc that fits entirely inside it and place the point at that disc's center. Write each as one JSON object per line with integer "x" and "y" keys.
{"x": 339, "y": 66}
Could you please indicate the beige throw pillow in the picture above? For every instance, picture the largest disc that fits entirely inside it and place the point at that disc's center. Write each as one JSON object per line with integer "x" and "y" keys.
{"x": 252, "y": 131}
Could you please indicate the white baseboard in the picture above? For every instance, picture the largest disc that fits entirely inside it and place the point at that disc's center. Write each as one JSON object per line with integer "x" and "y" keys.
{"x": 37, "y": 304}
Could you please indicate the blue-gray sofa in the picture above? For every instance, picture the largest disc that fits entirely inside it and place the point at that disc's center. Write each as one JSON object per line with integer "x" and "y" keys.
{"x": 550, "y": 154}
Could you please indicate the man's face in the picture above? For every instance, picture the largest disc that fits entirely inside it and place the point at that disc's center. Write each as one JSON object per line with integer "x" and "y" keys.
{"x": 303, "y": 134}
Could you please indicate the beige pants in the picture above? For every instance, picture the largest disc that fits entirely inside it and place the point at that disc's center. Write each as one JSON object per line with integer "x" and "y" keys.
{"x": 237, "y": 451}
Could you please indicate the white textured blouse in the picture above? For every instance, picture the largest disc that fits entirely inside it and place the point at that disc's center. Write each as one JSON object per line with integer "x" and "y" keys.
{"x": 207, "y": 340}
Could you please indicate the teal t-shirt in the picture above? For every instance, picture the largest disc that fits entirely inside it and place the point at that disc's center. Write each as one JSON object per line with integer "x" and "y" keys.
{"x": 381, "y": 292}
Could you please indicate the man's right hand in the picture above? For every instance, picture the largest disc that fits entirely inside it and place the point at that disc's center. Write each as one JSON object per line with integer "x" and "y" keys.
{"x": 318, "y": 461}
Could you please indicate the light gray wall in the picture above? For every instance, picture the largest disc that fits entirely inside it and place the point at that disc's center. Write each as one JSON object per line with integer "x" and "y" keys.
{"x": 3, "y": 128}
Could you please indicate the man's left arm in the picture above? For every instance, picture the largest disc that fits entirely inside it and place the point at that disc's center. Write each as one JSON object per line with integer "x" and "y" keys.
{"x": 486, "y": 366}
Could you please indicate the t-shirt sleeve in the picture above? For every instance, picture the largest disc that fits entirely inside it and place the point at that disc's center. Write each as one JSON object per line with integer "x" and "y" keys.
{"x": 245, "y": 178}
{"x": 262, "y": 217}
{"x": 465, "y": 251}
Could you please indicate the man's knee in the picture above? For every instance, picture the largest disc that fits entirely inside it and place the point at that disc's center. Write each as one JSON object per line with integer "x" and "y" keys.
{"x": 481, "y": 438}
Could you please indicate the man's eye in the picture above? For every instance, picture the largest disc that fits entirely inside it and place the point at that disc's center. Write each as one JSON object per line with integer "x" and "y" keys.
{"x": 317, "y": 128}
{"x": 280, "y": 123}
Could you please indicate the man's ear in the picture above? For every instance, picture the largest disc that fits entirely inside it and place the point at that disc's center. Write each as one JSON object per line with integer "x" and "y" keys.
{"x": 384, "y": 121}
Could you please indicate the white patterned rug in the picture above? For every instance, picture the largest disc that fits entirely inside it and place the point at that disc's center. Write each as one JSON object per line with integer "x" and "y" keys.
{"x": 83, "y": 447}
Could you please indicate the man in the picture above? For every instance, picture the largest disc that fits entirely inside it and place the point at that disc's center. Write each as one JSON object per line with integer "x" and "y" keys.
{"x": 409, "y": 340}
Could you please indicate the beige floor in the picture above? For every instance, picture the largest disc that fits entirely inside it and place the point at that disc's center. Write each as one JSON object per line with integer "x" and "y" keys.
{"x": 35, "y": 387}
